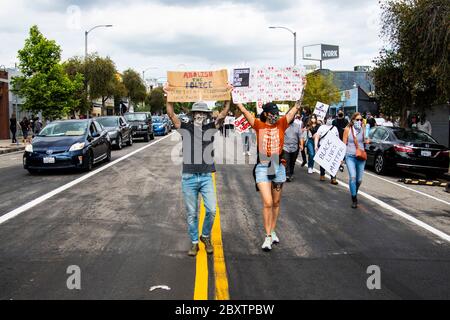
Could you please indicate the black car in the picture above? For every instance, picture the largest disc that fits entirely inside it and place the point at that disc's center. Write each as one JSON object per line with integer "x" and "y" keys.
{"x": 141, "y": 125}
{"x": 68, "y": 144}
{"x": 393, "y": 147}
{"x": 118, "y": 129}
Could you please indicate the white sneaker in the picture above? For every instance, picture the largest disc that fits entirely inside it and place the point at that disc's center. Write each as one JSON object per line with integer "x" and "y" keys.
{"x": 248, "y": 153}
{"x": 244, "y": 153}
{"x": 310, "y": 170}
{"x": 275, "y": 238}
{"x": 267, "y": 245}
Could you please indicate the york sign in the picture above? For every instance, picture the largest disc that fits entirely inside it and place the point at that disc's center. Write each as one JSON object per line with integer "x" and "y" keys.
{"x": 329, "y": 52}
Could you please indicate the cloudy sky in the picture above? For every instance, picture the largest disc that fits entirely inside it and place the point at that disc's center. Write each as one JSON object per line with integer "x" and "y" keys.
{"x": 197, "y": 34}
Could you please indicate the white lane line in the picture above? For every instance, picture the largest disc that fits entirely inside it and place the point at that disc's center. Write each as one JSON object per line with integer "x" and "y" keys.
{"x": 401, "y": 213}
{"x": 407, "y": 188}
{"x": 31, "y": 204}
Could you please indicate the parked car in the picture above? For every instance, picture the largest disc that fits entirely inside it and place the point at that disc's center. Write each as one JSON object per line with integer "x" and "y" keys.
{"x": 68, "y": 144}
{"x": 160, "y": 125}
{"x": 119, "y": 130}
{"x": 141, "y": 125}
{"x": 393, "y": 147}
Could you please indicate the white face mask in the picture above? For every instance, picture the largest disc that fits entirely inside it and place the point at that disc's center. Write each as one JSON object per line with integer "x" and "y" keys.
{"x": 199, "y": 119}
{"x": 357, "y": 125}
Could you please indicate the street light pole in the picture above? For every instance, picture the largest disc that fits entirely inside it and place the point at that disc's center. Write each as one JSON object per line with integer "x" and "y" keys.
{"x": 86, "y": 33}
{"x": 295, "y": 41}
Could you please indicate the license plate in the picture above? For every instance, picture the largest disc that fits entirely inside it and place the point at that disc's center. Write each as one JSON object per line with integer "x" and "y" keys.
{"x": 425, "y": 153}
{"x": 49, "y": 160}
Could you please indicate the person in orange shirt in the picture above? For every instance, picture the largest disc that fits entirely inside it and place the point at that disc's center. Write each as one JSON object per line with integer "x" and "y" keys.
{"x": 269, "y": 172}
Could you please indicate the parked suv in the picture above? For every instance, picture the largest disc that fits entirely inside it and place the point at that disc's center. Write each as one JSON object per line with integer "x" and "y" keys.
{"x": 141, "y": 125}
{"x": 119, "y": 130}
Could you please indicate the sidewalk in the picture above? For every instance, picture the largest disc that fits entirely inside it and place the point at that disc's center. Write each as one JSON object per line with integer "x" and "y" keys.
{"x": 6, "y": 146}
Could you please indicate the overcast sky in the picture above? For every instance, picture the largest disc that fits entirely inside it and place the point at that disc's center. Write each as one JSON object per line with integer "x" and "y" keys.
{"x": 196, "y": 34}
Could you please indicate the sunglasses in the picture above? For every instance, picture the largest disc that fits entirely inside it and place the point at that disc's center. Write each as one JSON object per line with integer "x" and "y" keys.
{"x": 358, "y": 119}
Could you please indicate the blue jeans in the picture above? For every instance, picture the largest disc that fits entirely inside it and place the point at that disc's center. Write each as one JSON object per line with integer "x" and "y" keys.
{"x": 311, "y": 153}
{"x": 192, "y": 185}
{"x": 355, "y": 169}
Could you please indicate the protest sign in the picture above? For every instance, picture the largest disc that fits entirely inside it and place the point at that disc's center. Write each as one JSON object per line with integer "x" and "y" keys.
{"x": 241, "y": 77}
{"x": 269, "y": 84}
{"x": 321, "y": 110}
{"x": 330, "y": 154}
{"x": 192, "y": 86}
{"x": 241, "y": 124}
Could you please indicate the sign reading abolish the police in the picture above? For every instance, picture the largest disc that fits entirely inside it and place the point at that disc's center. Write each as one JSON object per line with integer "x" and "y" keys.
{"x": 192, "y": 86}
{"x": 330, "y": 154}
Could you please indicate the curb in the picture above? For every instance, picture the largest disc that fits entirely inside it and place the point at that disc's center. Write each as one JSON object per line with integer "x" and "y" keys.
{"x": 9, "y": 150}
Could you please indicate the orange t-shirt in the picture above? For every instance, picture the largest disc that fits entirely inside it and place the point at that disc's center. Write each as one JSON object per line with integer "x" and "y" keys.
{"x": 270, "y": 138}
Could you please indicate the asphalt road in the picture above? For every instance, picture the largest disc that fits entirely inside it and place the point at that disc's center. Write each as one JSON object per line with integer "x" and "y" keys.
{"x": 125, "y": 228}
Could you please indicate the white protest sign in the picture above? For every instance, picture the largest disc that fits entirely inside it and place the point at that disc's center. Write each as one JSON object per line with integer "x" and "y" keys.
{"x": 241, "y": 124}
{"x": 268, "y": 84}
{"x": 321, "y": 110}
{"x": 330, "y": 154}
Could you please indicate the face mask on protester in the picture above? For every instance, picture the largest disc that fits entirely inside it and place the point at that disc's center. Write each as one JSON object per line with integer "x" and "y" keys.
{"x": 199, "y": 119}
{"x": 273, "y": 117}
{"x": 357, "y": 124}
{"x": 340, "y": 115}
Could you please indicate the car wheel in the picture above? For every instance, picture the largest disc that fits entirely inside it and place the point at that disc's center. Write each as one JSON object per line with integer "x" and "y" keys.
{"x": 130, "y": 140}
{"x": 380, "y": 164}
{"x": 119, "y": 142}
{"x": 146, "y": 138}
{"x": 108, "y": 154}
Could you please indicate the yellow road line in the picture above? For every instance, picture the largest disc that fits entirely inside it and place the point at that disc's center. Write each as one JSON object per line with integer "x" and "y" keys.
{"x": 201, "y": 269}
{"x": 220, "y": 270}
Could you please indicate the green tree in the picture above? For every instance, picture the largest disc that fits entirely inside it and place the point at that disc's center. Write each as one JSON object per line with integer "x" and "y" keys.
{"x": 74, "y": 67}
{"x": 134, "y": 85}
{"x": 418, "y": 35}
{"x": 43, "y": 84}
{"x": 156, "y": 100}
{"x": 393, "y": 92}
{"x": 320, "y": 88}
{"x": 101, "y": 77}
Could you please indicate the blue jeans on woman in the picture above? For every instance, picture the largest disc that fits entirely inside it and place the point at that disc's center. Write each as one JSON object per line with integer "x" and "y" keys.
{"x": 311, "y": 153}
{"x": 355, "y": 169}
{"x": 192, "y": 185}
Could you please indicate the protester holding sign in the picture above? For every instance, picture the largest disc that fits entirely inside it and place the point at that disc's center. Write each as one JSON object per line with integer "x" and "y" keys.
{"x": 311, "y": 129}
{"x": 322, "y": 132}
{"x": 355, "y": 158}
{"x": 269, "y": 172}
{"x": 198, "y": 166}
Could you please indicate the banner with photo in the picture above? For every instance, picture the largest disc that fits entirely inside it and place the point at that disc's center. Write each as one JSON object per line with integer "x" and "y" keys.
{"x": 267, "y": 84}
{"x": 192, "y": 86}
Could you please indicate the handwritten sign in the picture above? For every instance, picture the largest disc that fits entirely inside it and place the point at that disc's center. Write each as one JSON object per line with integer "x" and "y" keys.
{"x": 321, "y": 110}
{"x": 192, "y": 86}
{"x": 270, "y": 84}
{"x": 241, "y": 124}
{"x": 330, "y": 154}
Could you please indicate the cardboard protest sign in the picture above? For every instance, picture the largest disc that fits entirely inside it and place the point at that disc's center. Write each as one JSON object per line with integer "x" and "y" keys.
{"x": 192, "y": 86}
{"x": 269, "y": 84}
{"x": 330, "y": 154}
{"x": 321, "y": 110}
{"x": 241, "y": 124}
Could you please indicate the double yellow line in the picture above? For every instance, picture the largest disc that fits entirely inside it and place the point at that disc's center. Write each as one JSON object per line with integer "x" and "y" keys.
{"x": 220, "y": 270}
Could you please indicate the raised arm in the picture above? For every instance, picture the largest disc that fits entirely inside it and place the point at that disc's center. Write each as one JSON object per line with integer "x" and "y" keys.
{"x": 224, "y": 112}
{"x": 291, "y": 113}
{"x": 250, "y": 118}
{"x": 170, "y": 112}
